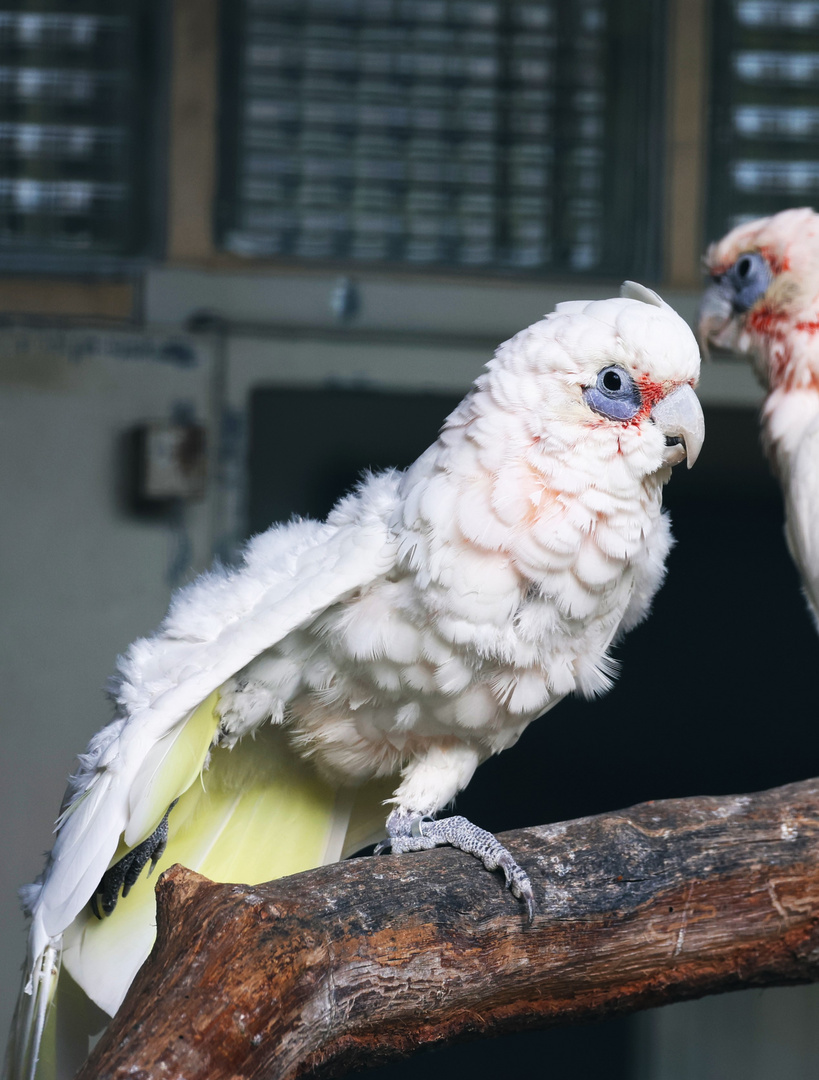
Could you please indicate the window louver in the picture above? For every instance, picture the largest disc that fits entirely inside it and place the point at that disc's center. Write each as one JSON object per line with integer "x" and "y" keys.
{"x": 73, "y": 105}
{"x": 765, "y": 109}
{"x": 479, "y": 134}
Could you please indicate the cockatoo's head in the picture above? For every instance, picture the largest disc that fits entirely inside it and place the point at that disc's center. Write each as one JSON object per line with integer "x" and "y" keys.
{"x": 763, "y": 300}
{"x": 606, "y": 386}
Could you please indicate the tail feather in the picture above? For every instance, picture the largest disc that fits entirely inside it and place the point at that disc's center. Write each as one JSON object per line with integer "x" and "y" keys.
{"x": 368, "y": 816}
{"x": 30, "y": 1015}
{"x": 258, "y": 811}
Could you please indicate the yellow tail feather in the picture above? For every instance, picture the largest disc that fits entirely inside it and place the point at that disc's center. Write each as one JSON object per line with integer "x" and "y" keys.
{"x": 258, "y": 812}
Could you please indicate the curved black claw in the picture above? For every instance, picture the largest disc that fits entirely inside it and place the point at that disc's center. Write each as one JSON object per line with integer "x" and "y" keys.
{"x": 123, "y": 874}
{"x": 414, "y": 832}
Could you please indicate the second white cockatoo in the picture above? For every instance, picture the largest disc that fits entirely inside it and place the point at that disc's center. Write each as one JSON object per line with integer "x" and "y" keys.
{"x": 763, "y": 304}
{"x": 379, "y": 657}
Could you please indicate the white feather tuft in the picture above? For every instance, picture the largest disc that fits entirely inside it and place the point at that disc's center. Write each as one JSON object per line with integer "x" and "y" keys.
{"x": 633, "y": 290}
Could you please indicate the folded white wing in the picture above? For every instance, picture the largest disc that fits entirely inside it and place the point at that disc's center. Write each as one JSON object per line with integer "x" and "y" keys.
{"x": 139, "y": 764}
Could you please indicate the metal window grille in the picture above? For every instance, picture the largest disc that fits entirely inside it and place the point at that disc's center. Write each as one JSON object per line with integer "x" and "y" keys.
{"x": 479, "y": 134}
{"x": 765, "y": 109}
{"x": 74, "y": 103}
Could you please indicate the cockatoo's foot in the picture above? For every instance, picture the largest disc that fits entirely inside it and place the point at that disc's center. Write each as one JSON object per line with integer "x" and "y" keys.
{"x": 414, "y": 832}
{"x": 123, "y": 874}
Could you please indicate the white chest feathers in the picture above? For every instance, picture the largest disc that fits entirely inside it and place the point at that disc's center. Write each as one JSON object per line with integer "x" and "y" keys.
{"x": 475, "y": 632}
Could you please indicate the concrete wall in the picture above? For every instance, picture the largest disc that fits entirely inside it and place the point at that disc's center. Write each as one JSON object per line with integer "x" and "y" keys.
{"x": 752, "y": 1035}
{"x": 79, "y": 576}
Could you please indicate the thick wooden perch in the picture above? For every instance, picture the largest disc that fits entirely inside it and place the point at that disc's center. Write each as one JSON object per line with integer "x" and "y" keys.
{"x": 350, "y": 964}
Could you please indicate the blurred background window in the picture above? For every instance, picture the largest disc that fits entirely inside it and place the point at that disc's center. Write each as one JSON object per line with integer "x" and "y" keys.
{"x": 764, "y": 110}
{"x": 76, "y": 86}
{"x": 480, "y": 134}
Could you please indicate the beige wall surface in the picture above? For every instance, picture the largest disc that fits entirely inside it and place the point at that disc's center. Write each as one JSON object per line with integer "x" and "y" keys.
{"x": 79, "y": 577}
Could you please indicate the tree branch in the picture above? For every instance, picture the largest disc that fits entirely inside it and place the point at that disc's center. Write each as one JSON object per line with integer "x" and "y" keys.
{"x": 356, "y": 962}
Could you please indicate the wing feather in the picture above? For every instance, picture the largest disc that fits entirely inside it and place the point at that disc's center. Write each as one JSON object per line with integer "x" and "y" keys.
{"x": 802, "y": 514}
{"x": 124, "y": 788}
{"x": 170, "y": 767}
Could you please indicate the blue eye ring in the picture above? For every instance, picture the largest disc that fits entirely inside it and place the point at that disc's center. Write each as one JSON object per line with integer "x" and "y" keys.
{"x": 614, "y": 394}
{"x": 746, "y": 281}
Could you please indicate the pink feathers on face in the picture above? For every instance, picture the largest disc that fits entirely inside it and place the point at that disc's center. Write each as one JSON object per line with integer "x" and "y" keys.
{"x": 763, "y": 300}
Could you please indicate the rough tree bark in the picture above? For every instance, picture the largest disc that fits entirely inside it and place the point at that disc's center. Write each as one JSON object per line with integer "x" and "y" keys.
{"x": 350, "y": 964}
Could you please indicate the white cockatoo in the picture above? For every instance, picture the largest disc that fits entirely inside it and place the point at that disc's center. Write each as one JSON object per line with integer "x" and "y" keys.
{"x": 378, "y": 657}
{"x": 763, "y": 304}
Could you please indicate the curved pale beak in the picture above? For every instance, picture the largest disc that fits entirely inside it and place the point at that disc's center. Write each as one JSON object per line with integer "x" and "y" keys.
{"x": 679, "y": 417}
{"x": 716, "y": 324}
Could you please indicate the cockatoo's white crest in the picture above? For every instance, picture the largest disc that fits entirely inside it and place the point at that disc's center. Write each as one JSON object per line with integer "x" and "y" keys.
{"x": 633, "y": 290}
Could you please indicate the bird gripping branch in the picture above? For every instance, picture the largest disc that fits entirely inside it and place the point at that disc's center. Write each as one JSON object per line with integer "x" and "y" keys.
{"x": 382, "y": 655}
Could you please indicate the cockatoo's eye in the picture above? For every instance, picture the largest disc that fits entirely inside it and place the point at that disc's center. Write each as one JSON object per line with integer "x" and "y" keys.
{"x": 614, "y": 394}
{"x": 611, "y": 381}
{"x": 746, "y": 280}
